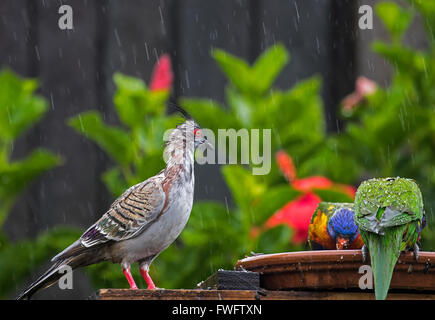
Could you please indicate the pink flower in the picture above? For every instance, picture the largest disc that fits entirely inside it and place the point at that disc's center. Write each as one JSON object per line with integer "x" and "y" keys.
{"x": 350, "y": 102}
{"x": 363, "y": 88}
{"x": 162, "y": 76}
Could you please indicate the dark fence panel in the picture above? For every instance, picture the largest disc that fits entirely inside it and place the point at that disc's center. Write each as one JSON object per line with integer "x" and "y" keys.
{"x": 17, "y": 47}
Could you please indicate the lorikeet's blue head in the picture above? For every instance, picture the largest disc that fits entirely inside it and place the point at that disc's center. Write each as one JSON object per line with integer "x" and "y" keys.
{"x": 342, "y": 228}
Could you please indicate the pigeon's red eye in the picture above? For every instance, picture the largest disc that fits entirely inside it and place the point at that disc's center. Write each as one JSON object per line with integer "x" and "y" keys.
{"x": 197, "y": 132}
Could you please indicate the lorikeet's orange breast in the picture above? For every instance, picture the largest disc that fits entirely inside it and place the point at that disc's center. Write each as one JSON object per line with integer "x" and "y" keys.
{"x": 318, "y": 234}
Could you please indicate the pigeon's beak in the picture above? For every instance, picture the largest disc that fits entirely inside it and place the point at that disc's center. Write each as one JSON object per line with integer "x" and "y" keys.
{"x": 342, "y": 243}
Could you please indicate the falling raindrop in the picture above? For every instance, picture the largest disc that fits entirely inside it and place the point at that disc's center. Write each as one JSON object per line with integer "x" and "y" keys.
{"x": 118, "y": 40}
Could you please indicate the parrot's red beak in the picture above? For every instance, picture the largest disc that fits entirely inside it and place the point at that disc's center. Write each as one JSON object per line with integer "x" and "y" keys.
{"x": 342, "y": 243}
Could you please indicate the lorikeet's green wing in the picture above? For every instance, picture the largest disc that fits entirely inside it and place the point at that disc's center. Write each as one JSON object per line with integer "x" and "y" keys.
{"x": 318, "y": 237}
{"x": 383, "y": 203}
{"x": 388, "y": 213}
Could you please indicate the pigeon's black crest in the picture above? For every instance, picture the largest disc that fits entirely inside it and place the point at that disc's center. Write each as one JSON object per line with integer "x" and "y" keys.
{"x": 179, "y": 109}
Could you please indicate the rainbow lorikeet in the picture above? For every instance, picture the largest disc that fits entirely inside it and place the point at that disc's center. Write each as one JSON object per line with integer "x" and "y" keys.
{"x": 332, "y": 227}
{"x": 390, "y": 215}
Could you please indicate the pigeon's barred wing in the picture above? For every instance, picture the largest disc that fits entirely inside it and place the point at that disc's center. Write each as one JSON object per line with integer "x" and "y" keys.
{"x": 129, "y": 214}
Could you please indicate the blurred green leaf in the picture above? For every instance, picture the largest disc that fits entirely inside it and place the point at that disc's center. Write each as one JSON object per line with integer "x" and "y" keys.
{"x": 208, "y": 113}
{"x": 256, "y": 80}
{"x": 244, "y": 186}
{"x": 273, "y": 200}
{"x": 427, "y": 9}
{"x": 395, "y": 18}
{"x": 331, "y": 195}
{"x": 275, "y": 240}
{"x": 268, "y": 66}
{"x": 20, "y": 108}
{"x": 19, "y": 259}
{"x": 242, "y": 107}
{"x": 115, "y": 141}
{"x": 237, "y": 70}
{"x": 134, "y": 102}
{"x": 15, "y": 177}
{"x": 114, "y": 181}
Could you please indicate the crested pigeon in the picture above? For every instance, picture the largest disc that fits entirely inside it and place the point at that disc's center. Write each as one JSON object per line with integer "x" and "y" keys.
{"x": 143, "y": 221}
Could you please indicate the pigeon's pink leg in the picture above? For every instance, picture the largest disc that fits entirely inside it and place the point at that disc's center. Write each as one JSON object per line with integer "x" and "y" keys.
{"x": 129, "y": 277}
{"x": 147, "y": 278}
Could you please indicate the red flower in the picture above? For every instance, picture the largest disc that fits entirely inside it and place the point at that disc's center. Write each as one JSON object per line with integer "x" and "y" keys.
{"x": 308, "y": 184}
{"x": 318, "y": 182}
{"x": 347, "y": 189}
{"x": 162, "y": 76}
{"x": 286, "y": 165}
{"x": 296, "y": 214}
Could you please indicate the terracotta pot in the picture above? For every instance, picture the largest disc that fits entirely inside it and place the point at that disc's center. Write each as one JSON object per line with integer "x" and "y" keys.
{"x": 335, "y": 269}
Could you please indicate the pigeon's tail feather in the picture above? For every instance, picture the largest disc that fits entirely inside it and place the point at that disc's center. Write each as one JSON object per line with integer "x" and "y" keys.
{"x": 56, "y": 271}
{"x": 74, "y": 249}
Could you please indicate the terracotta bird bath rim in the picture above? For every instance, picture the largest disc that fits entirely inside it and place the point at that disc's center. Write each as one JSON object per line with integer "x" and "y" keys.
{"x": 335, "y": 270}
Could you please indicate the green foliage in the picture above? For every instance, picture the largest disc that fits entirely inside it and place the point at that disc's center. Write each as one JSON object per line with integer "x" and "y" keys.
{"x": 19, "y": 259}
{"x": 136, "y": 146}
{"x": 395, "y": 18}
{"x": 256, "y": 80}
{"x": 393, "y": 128}
{"x": 251, "y": 107}
{"x": 295, "y": 115}
{"x": 20, "y": 108}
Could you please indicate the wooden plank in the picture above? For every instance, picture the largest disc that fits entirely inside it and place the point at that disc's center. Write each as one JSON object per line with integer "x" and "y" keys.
{"x": 183, "y": 294}
{"x": 231, "y": 280}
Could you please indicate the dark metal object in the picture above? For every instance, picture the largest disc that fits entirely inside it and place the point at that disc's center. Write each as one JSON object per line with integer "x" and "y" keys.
{"x": 231, "y": 280}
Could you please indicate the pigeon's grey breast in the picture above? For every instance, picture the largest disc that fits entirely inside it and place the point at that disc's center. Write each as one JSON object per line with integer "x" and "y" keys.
{"x": 160, "y": 233}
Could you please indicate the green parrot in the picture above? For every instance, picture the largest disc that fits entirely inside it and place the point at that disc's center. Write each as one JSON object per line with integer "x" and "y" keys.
{"x": 390, "y": 216}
